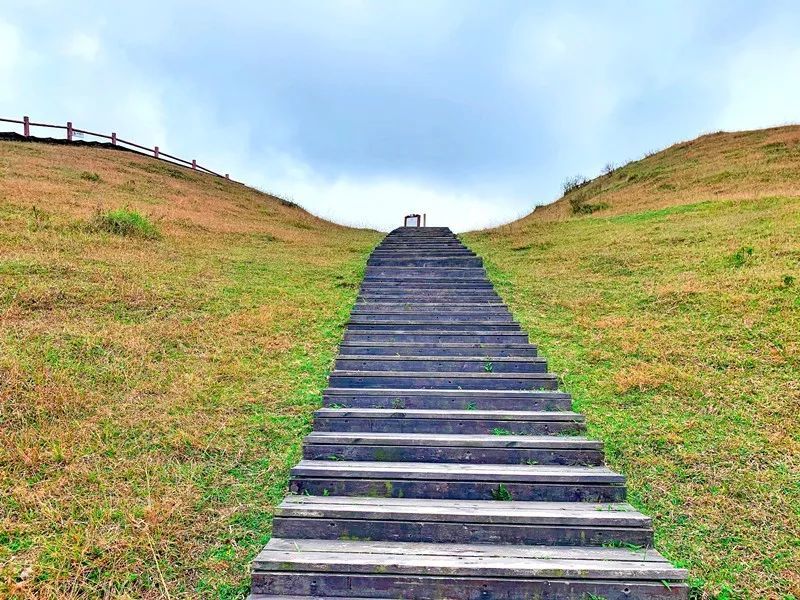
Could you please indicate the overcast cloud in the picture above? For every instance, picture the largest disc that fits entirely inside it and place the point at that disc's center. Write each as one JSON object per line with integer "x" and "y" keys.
{"x": 472, "y": 112}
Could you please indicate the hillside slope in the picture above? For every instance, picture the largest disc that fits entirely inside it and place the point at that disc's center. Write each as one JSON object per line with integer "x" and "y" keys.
{"x": 732, "y": 166}
{"x": 675, "y": 322}
{"x": 153, "y": 386}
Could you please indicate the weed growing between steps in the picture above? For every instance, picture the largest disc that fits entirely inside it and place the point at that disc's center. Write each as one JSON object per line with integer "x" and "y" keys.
{"x": 153, "y": 394}
{"x": 677, "y": 331}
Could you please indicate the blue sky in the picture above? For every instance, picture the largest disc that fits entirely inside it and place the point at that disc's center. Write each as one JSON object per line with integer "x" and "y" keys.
{"x": 473, "y": 112}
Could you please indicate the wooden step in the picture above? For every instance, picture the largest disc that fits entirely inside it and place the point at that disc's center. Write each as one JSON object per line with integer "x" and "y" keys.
{"x": 485, "y": 422}
{"x": 437, "y": 336}
{"x": 425, "y": 283}
{"x": 430, "y": 316}
{"x": 400, "y": 294}
{"x": 452, "y": 448}
{"x": 530, "y": 400}
{"x": 442, "y": 254}
{"x": 432, "y": 380}
{"x": 447, "y": 277}
{"x": 460, "y": 294}
{"x": 462, "y": 521}
{"x": 462, "y": 571}
{"x": 457, "y": 481}
{"x": 448, "y": 364}
{"x": 422, "y": 262}
{"x": 428, "y": 307}
{"x": 489, "y": 299}
{"x": 479, "y": 327}
{"x": 484, "y": 351}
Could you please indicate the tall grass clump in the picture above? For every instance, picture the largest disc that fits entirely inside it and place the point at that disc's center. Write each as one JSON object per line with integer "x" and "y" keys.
{"x": 124, "y": 221}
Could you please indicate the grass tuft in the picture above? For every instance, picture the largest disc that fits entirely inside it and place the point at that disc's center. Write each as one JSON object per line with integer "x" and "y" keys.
{"x": 502, "y": 494}
{"x": 124, "y": 222}
{"x": 90, "y": 176}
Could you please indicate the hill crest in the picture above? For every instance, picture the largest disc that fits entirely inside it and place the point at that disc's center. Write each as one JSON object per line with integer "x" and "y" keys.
{"x": 724, "y": 165}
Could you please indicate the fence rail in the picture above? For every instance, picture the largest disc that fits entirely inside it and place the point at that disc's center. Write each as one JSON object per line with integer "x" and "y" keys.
{"x": 155, "y": 152}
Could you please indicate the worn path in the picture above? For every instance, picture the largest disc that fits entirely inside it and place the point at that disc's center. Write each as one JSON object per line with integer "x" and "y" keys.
{"x": 446, "y": 465}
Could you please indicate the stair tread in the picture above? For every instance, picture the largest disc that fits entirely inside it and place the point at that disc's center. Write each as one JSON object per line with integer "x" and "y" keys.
{"x": 485, "y": 322}
{"x": 444, "y": 374}
{"x": 464, "y": 560}
{"x": 454, "y": 440}
{"x": 449, "y": 393}
{"x": 442, "y": 332}
{"x": 457, "y": 472}
{"x": 418, "y": 358}
{"x": 504, "y": 415}
{"x": 486, "y": 511}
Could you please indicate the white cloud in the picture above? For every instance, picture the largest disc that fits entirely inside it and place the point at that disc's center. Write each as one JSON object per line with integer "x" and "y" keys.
{"x": 83, "y": 46}
{"x": 10, "y": 60}
{"x": 382, "y": 202}
{"x": 459, "y": 210}
{"x": 763, "y": 83}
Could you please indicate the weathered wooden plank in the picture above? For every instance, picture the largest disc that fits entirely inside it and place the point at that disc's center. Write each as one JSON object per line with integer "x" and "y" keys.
{"x": 423, "y": 273}
{"x": 435, "y": 439}
{"x": 458, "y": 490}
{"x": 423, "y": 283}
{"x": 427, "y": 261}
{"x": 434, "y": 380}
{"x": 614, "y": 507}
{"x": 452, "y": 426}
{"x": 462, "y": 566}
{"x": 452, "y": 393}
{"x": 438, "y": 336}
{"x": 346, "y": 362}
{"x": 444, "y": 531}
{"x": 414, "y": 306}
{"x": 498, "y": 551}
{"x": 448, "y": 472}
{"x": 497, "y": 415}
{"x": 462, "y": 588}
{"x": 457, "y": 511}
{"x": 430, "y": 316}
{"x": 479, "y": 351}
{"x": 548, "y": 400}
{"x": 452, "y": 454}
{"x": 424, "y": 326}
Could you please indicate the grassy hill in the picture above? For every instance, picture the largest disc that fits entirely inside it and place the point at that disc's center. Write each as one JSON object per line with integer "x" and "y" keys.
{"x": 163, "y": 338}
{"x": 673, "y": 316}
{"x": 743, "y": 165}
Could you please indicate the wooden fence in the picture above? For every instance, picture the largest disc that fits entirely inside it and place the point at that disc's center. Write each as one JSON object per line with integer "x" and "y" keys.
{"x": 155, "y": 152}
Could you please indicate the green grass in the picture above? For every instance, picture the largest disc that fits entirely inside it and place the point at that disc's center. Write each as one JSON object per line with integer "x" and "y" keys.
{"x": 89, "y": 176}
{"x": 501, "y": 494}
{"x": 125, "y": 222}
{"x": 677, "y": 331}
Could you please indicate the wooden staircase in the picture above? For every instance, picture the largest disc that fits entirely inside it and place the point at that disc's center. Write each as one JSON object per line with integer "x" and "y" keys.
{"x": 446, "y": 465}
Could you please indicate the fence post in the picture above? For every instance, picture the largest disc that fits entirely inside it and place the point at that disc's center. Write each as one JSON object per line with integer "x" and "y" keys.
{"x": 114, "y": 138}
{"x": 155, "y": 151}
{"x": 69, "y": 131}
{"x": 227, "y": 176}
{"x": 194, "y": 165}
{"x": 26, "y": 126}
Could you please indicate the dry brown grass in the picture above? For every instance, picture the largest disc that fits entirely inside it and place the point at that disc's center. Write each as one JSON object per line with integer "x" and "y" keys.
{"x": 153, "y": 392}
